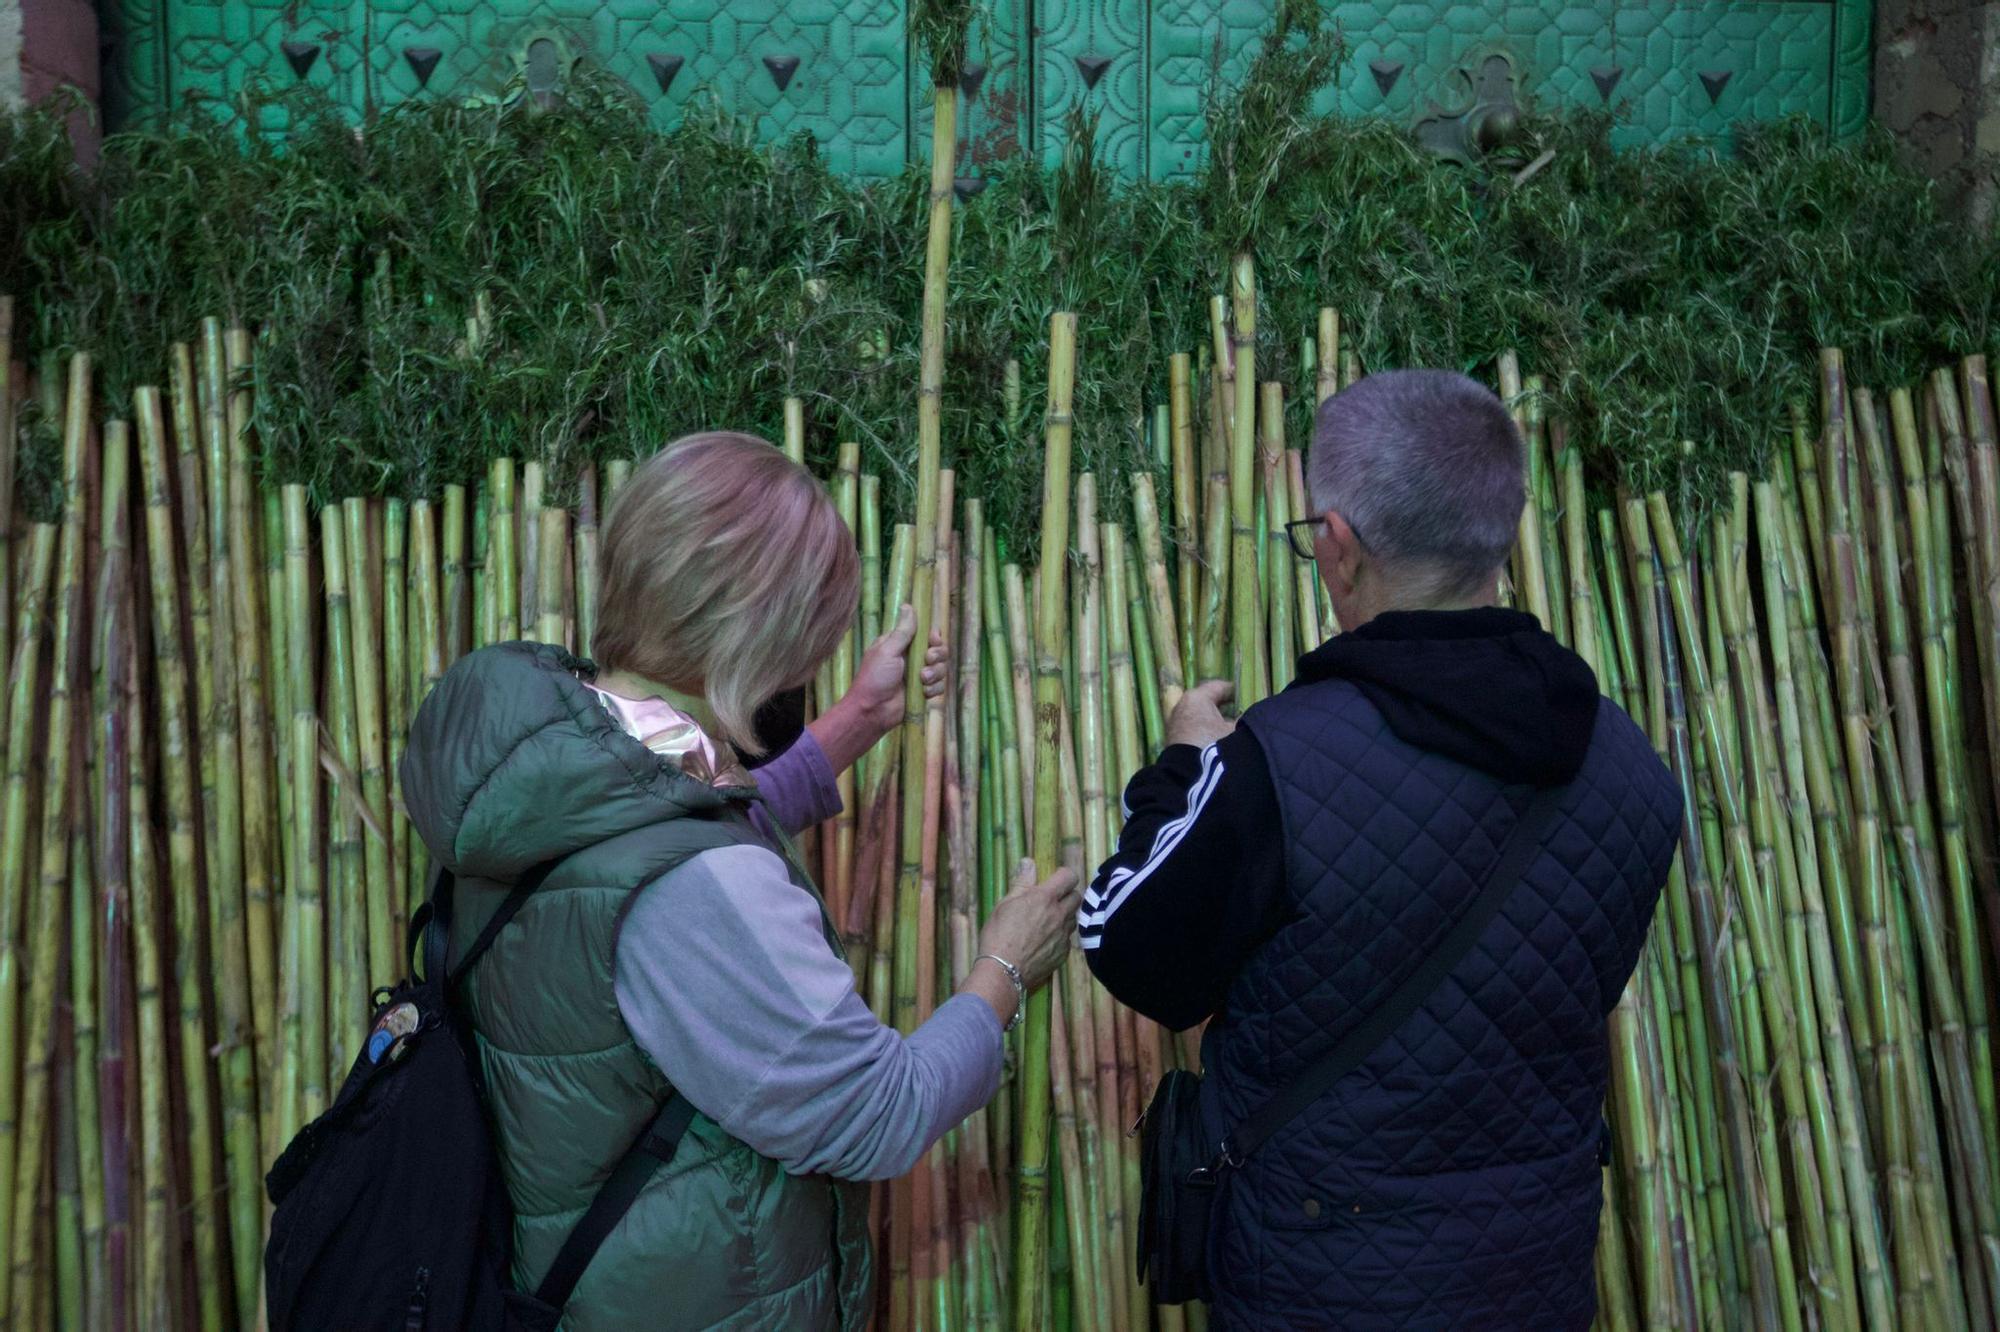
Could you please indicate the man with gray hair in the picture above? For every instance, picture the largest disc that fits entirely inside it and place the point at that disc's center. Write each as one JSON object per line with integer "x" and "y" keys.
{"x": 1337, "y": 888}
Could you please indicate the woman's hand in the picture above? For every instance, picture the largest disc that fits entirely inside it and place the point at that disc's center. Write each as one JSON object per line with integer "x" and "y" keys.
{"x": 873, "y": 705}
{"x": 1031, "y": 925}
{"x": 877, "y": 692}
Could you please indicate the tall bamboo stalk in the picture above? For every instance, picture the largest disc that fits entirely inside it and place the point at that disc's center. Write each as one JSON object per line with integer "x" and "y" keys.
{"x": 100, "y": 974}
{"x": 1246, "y": 622}
{"x": 1159, "y": 597}
{"x": 1032, "y": 1156}
{"x": 178, "y": 759}
{"x": 7, "y": 446}
{"x": 1185, "y": 495}
{"x": 304, "y": 991}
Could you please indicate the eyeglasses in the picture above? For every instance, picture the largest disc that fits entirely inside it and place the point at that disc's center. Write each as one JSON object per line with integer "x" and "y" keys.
{"x": 1300, "y": 533}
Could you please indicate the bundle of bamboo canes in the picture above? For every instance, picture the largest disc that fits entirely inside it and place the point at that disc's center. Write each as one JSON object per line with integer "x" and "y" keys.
{"x": 204, "y": 867}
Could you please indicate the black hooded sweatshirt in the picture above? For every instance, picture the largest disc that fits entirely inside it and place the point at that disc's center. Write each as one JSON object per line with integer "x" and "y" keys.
{"x": 1487, "y": 687}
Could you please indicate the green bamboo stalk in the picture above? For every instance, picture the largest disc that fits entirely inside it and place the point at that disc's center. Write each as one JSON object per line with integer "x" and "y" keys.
{"x": 1528, "y": 578}
{"x": 305, "y": 1046}
{"x": 1097, "y": 1072}
{"x": 399, "y": 680}
{"x": 426, "y": 659}
{"x": 178, "y": 759}
{"x": 347, "y": 889}
{"x": 258, "y": 779}
{"x": 1915, "y": 1278}
{"x": 528, "y": 542}
{"x": 376, "y": 861}
{"x": 26, "y": 715}
{"x": 1931, "y": 570}
{"x": 1276, "y": 490}
{"x": 1868, "y": 1291}
{"x": 1031, "y": 1188}
{"x": 1315, "y": 618}
{"x": 503, "y": 569}
{"x": 553, "y": 544}
{"x": 1186, "y": 498}
{"x": 1811, "y": 1126}
{"x": 1754, "y": 1221}
{"x": 1159, "y": 600}
{"x": 7, "y": 447}
{"x": 456, "y": 590}
{"x": 1583, "y": 610}
{"x": 1251, "y": 665}
{"x": 159, "y": 1213}
{"x": 48, "y": 613}
{"x": 227, "y": 882}
{"x": 1212, "y": 647}
{"x": 586, "y": 560}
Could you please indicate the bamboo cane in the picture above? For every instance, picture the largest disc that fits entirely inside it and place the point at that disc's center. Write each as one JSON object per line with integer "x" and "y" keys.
{"x": 178, "y": 757}
{"x": 587, "y": 547}
{"x": 528, "y": 537}
{"x": 1315, "y": 621}
{"x": 1186, "y": 498}
{"x": 157, "y": 1231}
{"x": 1864, "y": 1268}
{"x": 1276, "y": 488}
{"x": 1159, "y": 597}
{"x": 26, "y": 689}
{"x": 457, "y": 581}
{"x": 1528, "y": 548}
{"x": 1032, "y": 1154}
{"x": 502, "y": 565}
{"x": 47, "y": 916}
{"x": 1251, "y": 667}
{"x": 346, "y": 876}
{"x": 101, "y": 957}
{"x": 7, "y": 447}
{"x": 305, "y": 1045}
{"x": 399, "y": 682}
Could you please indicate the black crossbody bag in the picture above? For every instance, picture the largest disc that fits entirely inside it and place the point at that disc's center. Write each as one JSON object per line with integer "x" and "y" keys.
{"x": 1183, "y": 1173}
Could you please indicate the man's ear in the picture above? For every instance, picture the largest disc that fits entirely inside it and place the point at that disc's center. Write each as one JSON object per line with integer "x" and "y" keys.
{"x": 1340, "y": 551}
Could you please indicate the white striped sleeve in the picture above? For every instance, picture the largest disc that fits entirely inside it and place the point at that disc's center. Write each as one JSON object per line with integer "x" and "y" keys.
{"x": 1117, "y": 881}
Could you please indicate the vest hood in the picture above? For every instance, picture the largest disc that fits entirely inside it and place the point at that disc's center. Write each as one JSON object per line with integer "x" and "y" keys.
{"x": 1487, "y": 687}
{"x": 512, "y": 761}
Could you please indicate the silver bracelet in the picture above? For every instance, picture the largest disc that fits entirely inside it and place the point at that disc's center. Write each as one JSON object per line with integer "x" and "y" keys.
{"x": 1014, "y": 978}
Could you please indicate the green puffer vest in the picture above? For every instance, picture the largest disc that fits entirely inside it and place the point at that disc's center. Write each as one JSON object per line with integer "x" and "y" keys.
{"x": 513, "y": 762}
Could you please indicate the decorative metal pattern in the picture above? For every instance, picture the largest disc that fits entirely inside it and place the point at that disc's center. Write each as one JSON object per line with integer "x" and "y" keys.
{"x": 843, "y": 71}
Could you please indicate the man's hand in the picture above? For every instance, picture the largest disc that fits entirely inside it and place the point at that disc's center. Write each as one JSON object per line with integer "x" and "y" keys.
{"x": 1197, "y": 719}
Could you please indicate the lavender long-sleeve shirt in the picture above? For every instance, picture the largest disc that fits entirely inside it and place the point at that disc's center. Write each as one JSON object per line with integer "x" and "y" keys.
{"x": 725, "y": 978}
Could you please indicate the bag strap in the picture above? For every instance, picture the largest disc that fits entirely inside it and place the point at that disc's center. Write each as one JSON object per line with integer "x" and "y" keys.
{"x": 656, "y": 1147}
{"x": 1516, "y": 851}
{"x": 432, "y": 922}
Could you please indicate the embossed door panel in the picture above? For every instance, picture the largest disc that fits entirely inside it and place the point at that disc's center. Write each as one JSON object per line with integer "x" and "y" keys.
{"x": 842, "y": 70}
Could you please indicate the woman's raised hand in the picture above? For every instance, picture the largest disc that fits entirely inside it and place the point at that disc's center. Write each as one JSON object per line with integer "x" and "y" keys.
{"x": 877, "y": 692}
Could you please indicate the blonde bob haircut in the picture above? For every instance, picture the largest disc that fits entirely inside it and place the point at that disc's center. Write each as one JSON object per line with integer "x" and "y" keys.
{"x": 727, "y": 573}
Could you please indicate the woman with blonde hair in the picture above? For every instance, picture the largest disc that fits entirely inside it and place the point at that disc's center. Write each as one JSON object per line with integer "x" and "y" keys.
{"x": 673, "y": 956}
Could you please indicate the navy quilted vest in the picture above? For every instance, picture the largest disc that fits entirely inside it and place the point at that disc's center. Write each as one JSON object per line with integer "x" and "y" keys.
{"x": 1453, "y": 1181}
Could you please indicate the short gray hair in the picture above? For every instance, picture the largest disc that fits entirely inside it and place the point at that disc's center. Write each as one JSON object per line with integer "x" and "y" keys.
{"x": 1426, "y": 466}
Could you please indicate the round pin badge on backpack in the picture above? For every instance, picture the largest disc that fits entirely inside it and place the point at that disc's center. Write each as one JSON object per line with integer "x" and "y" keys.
{"x": 390, "y": 1037}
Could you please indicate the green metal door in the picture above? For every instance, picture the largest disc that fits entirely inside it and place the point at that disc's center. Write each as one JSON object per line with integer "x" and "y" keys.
{"x": 843, "y": 71}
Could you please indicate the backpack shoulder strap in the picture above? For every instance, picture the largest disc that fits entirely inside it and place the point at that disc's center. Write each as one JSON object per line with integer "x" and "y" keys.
{"x": 656, "y": 1147}
{"x": 432, "y": 922}
{"x": 1516, "y": 852}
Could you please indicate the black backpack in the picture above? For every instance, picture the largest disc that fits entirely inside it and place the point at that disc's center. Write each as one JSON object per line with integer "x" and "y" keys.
{"x": 391, "y": 1212}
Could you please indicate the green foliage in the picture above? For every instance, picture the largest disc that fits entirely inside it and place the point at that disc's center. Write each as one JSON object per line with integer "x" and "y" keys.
{"x": 461, "y": 282}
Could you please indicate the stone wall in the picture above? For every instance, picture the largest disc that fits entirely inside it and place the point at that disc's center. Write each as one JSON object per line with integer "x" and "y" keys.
{"x": 51, "y": 44}
{"x": 1937, "y": 88}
